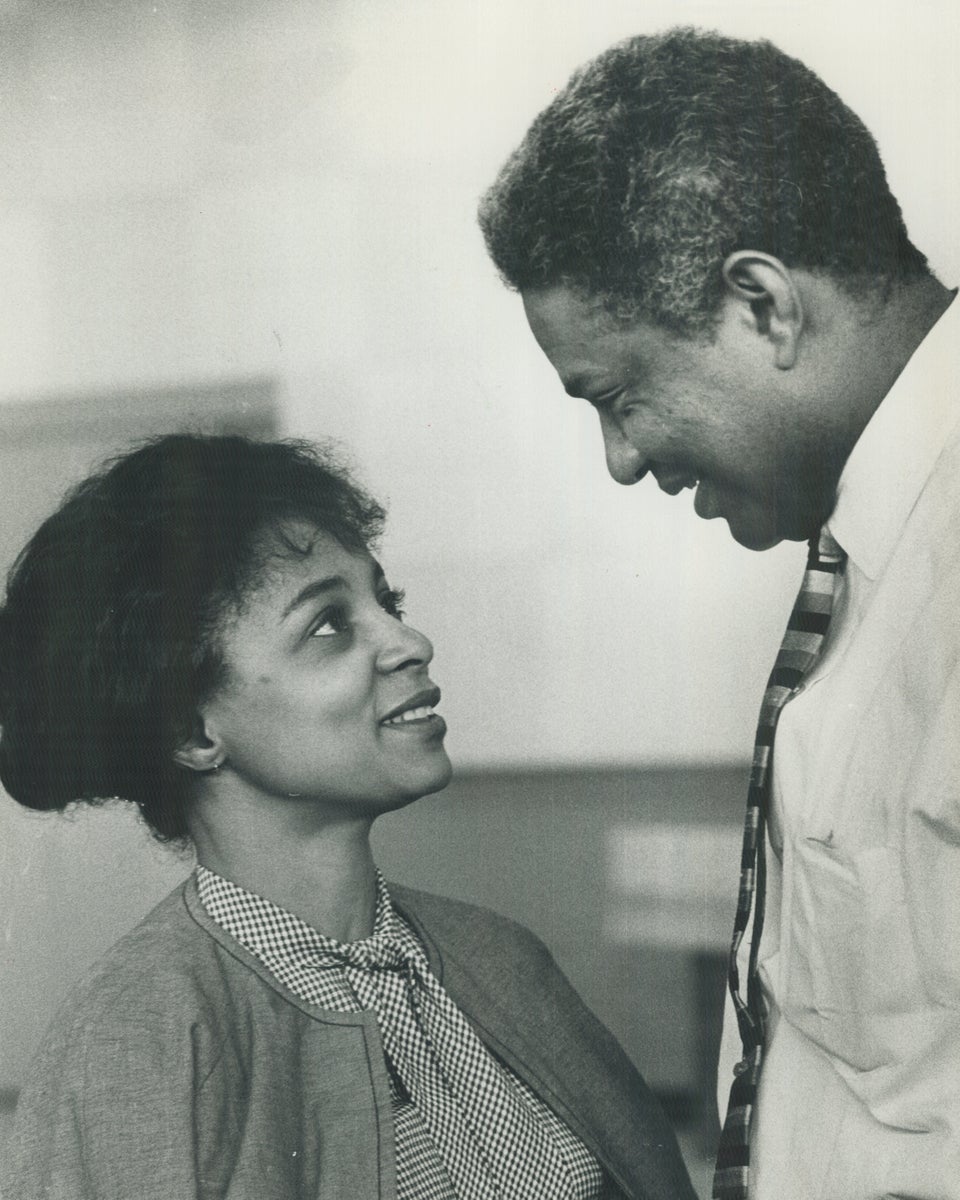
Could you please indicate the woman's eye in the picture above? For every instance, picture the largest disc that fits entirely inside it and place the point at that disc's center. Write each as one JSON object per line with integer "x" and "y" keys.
{"x": 330, "y": 623}
{"x": 391, "y": 601}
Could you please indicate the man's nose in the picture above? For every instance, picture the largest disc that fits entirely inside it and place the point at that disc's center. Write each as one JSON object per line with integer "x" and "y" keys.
{"x": 624, "y": 461}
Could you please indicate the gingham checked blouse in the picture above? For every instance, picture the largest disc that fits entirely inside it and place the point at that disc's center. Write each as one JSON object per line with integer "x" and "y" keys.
{"x": 314, "y": 968}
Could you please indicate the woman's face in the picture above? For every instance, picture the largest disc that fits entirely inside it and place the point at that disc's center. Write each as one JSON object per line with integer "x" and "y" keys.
{"x": 327, "y": 693}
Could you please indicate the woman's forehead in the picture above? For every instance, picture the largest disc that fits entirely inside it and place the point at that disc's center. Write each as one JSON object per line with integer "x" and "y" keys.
{"x": 298, "y": 551}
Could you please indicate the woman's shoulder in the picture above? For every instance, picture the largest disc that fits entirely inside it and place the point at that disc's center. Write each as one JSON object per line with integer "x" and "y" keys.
{"x": 135, "y": 1029}
{"x": 470, "y": 931}
{"x": 149, "y": 976}
{"x": 125, "y": 1059}
{"x": 451, "y": 913}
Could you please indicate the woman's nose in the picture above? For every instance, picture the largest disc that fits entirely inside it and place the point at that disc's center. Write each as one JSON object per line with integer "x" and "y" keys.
{"x": 403, "y": 646}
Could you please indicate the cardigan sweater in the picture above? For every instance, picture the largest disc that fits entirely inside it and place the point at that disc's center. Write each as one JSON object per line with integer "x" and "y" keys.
{"x": 305, "y": 961}
{"x": 181, "y": 1068}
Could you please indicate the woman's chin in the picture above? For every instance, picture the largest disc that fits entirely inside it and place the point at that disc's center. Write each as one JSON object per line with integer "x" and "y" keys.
{"x": 438, "y": 778}
{"x": 426, "y": 783}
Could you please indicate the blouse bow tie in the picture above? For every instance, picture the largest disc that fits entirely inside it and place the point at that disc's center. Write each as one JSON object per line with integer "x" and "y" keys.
{"x": 375, "y": 953}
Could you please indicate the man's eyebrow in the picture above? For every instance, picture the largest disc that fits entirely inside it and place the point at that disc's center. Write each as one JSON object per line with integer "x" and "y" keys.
{"x": 575, "y": 385}
{"x": 582, "y": 387}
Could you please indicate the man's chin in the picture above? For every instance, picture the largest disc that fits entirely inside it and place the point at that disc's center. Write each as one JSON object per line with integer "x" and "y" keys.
{"x": 757, "y": 543}
{"x": 752, "y": 537}
{"x": 753, "y": 525}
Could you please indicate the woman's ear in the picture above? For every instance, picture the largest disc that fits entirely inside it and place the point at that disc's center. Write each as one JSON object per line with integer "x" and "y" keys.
{"x": 203, "y": 750}
{"x": 767, "y": 286}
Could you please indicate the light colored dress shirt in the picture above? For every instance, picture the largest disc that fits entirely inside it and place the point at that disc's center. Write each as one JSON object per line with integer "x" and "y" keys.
{"x": 860, "y": 959}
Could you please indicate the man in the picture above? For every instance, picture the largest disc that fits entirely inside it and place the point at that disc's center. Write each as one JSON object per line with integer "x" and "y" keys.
{"x": 708, "y": 252}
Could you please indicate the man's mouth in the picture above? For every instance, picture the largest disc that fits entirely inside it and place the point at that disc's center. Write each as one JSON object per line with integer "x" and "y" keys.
{"x": 673, "y": 480}
{"x": 706, "y": 503}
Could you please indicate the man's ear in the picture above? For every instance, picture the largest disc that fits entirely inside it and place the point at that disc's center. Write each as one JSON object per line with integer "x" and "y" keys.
{"x": 202, "y": 751}
{"x": 764, "y": 283}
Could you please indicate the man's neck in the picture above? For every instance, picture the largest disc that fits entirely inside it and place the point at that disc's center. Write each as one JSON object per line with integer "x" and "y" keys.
{"x": 862, "y": 349}
{"x": 901, "y": 325}
{"x": 854, "y": 351}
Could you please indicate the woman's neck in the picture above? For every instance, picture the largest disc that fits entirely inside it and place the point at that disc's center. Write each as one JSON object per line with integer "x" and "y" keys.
{"x": 319, "y": 866}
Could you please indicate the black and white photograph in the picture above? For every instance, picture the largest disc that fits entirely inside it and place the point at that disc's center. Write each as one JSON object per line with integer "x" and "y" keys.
{"x": 479, "y": 639}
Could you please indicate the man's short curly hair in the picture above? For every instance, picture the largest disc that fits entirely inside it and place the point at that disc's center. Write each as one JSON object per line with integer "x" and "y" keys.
{"x": 667, "y": 153}
{"x": 109, "y": 634}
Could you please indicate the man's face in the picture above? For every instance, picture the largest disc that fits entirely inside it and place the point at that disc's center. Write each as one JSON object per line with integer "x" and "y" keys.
{"x": 714, "y": 415}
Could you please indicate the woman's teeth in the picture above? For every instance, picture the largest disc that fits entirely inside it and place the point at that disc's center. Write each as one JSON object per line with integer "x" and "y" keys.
{"x": 411, "y": 714}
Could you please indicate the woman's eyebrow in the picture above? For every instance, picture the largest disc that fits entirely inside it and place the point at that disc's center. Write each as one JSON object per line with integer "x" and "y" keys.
{"x": 318, "y": 587}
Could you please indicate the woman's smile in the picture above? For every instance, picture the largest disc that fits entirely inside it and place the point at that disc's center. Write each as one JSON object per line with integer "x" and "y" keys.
{"x": 327, "y": 693}
{"x": 417, "y": 714}
{"x": 416, "y": 707}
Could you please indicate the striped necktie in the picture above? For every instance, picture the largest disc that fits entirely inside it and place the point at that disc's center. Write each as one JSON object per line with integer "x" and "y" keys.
{"x": 799, "y": 650}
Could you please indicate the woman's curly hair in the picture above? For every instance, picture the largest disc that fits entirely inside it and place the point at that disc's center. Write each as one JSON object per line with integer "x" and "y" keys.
{"x": 666, "y": 154}
{"x": 108, "y": 634}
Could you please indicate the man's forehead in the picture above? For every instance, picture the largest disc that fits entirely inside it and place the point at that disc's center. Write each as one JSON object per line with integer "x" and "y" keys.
{"x": 578, "y": 335}
{"x": 561, "y": 311}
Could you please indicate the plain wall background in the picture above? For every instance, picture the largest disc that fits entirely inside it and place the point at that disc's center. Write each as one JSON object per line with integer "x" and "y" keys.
{"x": 193, "y": 192}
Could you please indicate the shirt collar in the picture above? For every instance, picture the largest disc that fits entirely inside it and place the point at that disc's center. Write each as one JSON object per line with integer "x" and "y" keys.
{"x": 893, "y": 457}
{"x": 269, "y": 931}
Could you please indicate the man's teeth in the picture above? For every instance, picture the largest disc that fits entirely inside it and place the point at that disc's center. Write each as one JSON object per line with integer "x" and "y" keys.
{"x": 411, "y": 714}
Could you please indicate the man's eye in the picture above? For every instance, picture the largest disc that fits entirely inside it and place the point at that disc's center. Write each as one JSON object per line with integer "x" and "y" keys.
{"x": 329, "y": 624}
{"x": 604, "y": 402}
{"x": 391, "y": 601}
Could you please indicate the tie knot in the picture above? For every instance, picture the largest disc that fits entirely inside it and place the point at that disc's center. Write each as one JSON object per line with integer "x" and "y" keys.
{"x": 375, "y": 953}
{"x": 378, "y": 952}
{"x": 824, "y": 549}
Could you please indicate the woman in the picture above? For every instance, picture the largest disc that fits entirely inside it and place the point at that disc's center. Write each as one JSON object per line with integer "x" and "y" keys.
{"x": 202, "y": 629}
